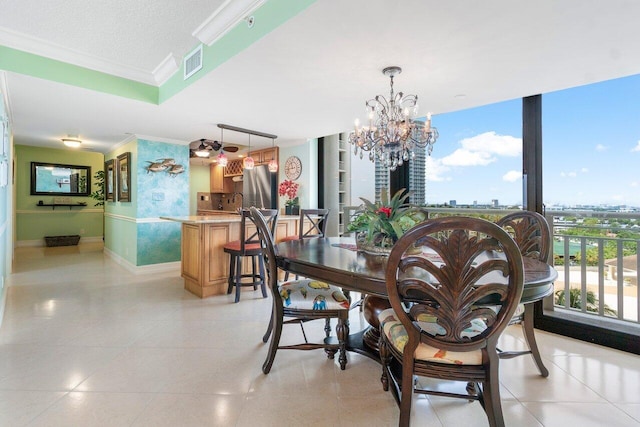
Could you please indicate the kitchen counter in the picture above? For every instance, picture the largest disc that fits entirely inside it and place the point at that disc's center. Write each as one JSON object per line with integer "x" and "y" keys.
{"x": 204, "y": 264}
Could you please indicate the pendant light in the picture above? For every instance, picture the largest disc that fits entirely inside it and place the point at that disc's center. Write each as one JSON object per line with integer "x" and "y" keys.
{"x": 222, "y": 159}
{"x": 273, "y": 164}
{"x": 248, "y": 162}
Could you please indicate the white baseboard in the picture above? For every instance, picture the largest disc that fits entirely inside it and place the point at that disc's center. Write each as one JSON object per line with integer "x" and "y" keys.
{"x": 40, "y": 242}
{"x": 143, "y": 269}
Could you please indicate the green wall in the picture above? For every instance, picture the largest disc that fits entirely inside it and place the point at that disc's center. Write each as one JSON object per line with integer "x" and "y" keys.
{"x": 34, "y": 222}
{"x": 199, "y": 181}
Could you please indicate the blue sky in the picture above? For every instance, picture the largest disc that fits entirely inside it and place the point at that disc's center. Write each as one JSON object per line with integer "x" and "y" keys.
{"x": 591, "y": 149}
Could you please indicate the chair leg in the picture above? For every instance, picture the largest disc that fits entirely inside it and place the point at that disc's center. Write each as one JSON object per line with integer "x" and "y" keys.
{"x": 407, "y": 391}
{"x": 253, "y": 273}
{"x": 232, "y": 269}
{"x": 238, "y": 278}
{"x": 276, "y": 320}
{"x": 342, "y": 332}
{"x": 263, "y": 276}
{"x": 265, "y": 338}
{"x": 327, "y": 327}
{"x": 530, "y": 338}
{"x": 491, "y": 398}
{"x": 385, "y": 359}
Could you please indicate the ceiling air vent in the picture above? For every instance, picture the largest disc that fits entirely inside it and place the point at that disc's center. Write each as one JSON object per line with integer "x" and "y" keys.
{"x": 193, "y": 62}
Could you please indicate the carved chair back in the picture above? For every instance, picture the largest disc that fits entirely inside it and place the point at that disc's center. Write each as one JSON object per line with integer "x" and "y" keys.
{"x": 439, "y": 294}
{"x": 531, "y": 232}
{"x": 252, "y": 238}
{"x": 317, "y": 219}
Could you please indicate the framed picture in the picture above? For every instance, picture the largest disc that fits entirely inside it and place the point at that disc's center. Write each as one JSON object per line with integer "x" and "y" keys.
{"x": 109, "y": 181}
{"x": 124, "y": 177}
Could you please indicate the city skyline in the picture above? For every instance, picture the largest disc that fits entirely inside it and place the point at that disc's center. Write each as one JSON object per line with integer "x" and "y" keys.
{"x": 591, "y": 149}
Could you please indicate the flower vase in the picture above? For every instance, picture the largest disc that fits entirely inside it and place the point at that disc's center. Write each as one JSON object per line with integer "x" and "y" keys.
{"x": 288, "y": 209}
{"x": 295, "y": 209}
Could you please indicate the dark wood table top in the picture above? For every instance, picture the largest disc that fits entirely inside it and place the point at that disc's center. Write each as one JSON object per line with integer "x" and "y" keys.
{"x": 334, "y": 261}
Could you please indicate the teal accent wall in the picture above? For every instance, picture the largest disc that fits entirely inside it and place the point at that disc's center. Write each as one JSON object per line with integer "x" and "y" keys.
{"x": 34, "y": 222}
{"x": 6, "y": 199}
{"x": 134, "y": 231}
{"x": 162, "y": 193}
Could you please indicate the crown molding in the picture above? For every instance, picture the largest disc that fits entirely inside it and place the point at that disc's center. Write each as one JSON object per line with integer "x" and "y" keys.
{"x": 47, "y": 49}
{"x": 166, "y": 69}
{"x": 161, "y": 139}
{"x": 224, "y": 19}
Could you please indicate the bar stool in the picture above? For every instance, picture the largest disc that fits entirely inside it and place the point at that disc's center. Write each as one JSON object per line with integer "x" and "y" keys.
{"x": 248, "y": 246}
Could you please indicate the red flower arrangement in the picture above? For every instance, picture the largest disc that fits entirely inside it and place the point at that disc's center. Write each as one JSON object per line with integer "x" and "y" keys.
{"x": 290, "y": 189}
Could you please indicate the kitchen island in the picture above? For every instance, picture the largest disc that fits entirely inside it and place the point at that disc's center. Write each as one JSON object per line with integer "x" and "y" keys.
{"x": 204, "y": 264}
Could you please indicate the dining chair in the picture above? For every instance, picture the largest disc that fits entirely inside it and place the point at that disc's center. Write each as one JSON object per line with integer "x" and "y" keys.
{"x": 248, "y": 246}
{"x": 531, "y": 233}
{"x": 438, "y": 325}
{"x": 300, "y": 301}
{"x": 317, "y": 220}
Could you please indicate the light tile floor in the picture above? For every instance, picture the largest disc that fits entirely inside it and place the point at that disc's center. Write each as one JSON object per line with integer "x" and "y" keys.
{"x": 86, "y": 343}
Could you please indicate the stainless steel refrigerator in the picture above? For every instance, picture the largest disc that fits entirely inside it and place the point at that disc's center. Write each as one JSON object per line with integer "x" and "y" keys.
{"x": 259, "y": 188}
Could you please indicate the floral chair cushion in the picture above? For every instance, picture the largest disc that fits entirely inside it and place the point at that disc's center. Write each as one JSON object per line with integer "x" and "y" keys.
{"x": 306, "y": 294}
{"x": 397, "y": 335}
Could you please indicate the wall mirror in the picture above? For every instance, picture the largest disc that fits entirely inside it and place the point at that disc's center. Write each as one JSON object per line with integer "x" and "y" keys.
{"x": 60, "y": 180}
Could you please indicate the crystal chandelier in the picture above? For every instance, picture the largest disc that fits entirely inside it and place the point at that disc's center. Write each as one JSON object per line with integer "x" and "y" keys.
{"x": 393, "y": 133}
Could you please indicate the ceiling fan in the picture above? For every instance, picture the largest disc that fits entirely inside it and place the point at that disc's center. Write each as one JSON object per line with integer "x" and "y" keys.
{"x": 206, "y": 146}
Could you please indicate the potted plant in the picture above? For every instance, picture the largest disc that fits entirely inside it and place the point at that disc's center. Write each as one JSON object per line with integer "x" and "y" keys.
{"x": 289, "y": 189}
{"x": 378, "y": 226}
{"x": 98, "y": 194}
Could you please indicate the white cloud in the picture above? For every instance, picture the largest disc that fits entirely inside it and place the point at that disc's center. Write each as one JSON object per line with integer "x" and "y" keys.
{"x": 482, "y": 149}
{"x": 512, "y": 176}
{"x": 637, "y": 147}
{"x": 584, "y": 170}
{"x": 568, "y": 174}
{"x": 434, "y": 170}
{"x": 634, "y": 184}
{"x": 601, "y": 147}
{"x": 462, "y": 157}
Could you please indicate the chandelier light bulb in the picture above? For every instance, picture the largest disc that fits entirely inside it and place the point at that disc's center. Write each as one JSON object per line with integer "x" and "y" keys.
{"x": 392, "y": 133}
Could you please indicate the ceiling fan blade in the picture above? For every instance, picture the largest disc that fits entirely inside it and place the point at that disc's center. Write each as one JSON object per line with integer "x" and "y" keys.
{"x": 216, "y": 145}
{"x": 230, "y": 148}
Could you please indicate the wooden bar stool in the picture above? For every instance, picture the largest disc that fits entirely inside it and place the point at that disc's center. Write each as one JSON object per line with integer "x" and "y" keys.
{"x": 248, "y": 246}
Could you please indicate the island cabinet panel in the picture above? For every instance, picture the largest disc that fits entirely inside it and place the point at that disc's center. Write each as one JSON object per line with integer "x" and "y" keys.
{"x": 191, "y": 256}
{"x": 205, "y": 265}
{"x": 216, "y": 268}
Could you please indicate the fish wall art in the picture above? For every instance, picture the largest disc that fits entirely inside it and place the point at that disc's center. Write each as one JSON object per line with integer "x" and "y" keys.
{"x": 165, "y": 165}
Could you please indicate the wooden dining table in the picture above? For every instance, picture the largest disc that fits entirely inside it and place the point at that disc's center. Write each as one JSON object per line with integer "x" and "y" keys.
{"x": 335, "y": 260}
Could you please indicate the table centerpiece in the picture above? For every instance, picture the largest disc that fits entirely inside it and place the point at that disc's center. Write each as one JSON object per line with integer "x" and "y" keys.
{"x": 379, "y": 225}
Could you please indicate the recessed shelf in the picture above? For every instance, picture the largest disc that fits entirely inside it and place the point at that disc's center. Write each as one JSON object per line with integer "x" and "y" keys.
{"x": 54, "y": 205}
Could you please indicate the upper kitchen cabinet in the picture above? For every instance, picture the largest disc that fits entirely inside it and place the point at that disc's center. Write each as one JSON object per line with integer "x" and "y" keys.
{"x": 260, "y": 157}
{"x": 220, "y": 184}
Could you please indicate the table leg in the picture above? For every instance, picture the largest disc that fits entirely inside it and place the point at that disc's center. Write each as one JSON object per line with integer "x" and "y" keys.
{"x": 373, "y": 306}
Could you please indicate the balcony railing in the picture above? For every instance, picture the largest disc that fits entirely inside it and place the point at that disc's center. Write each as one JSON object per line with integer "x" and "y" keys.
{"x": 603, "y": 268}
